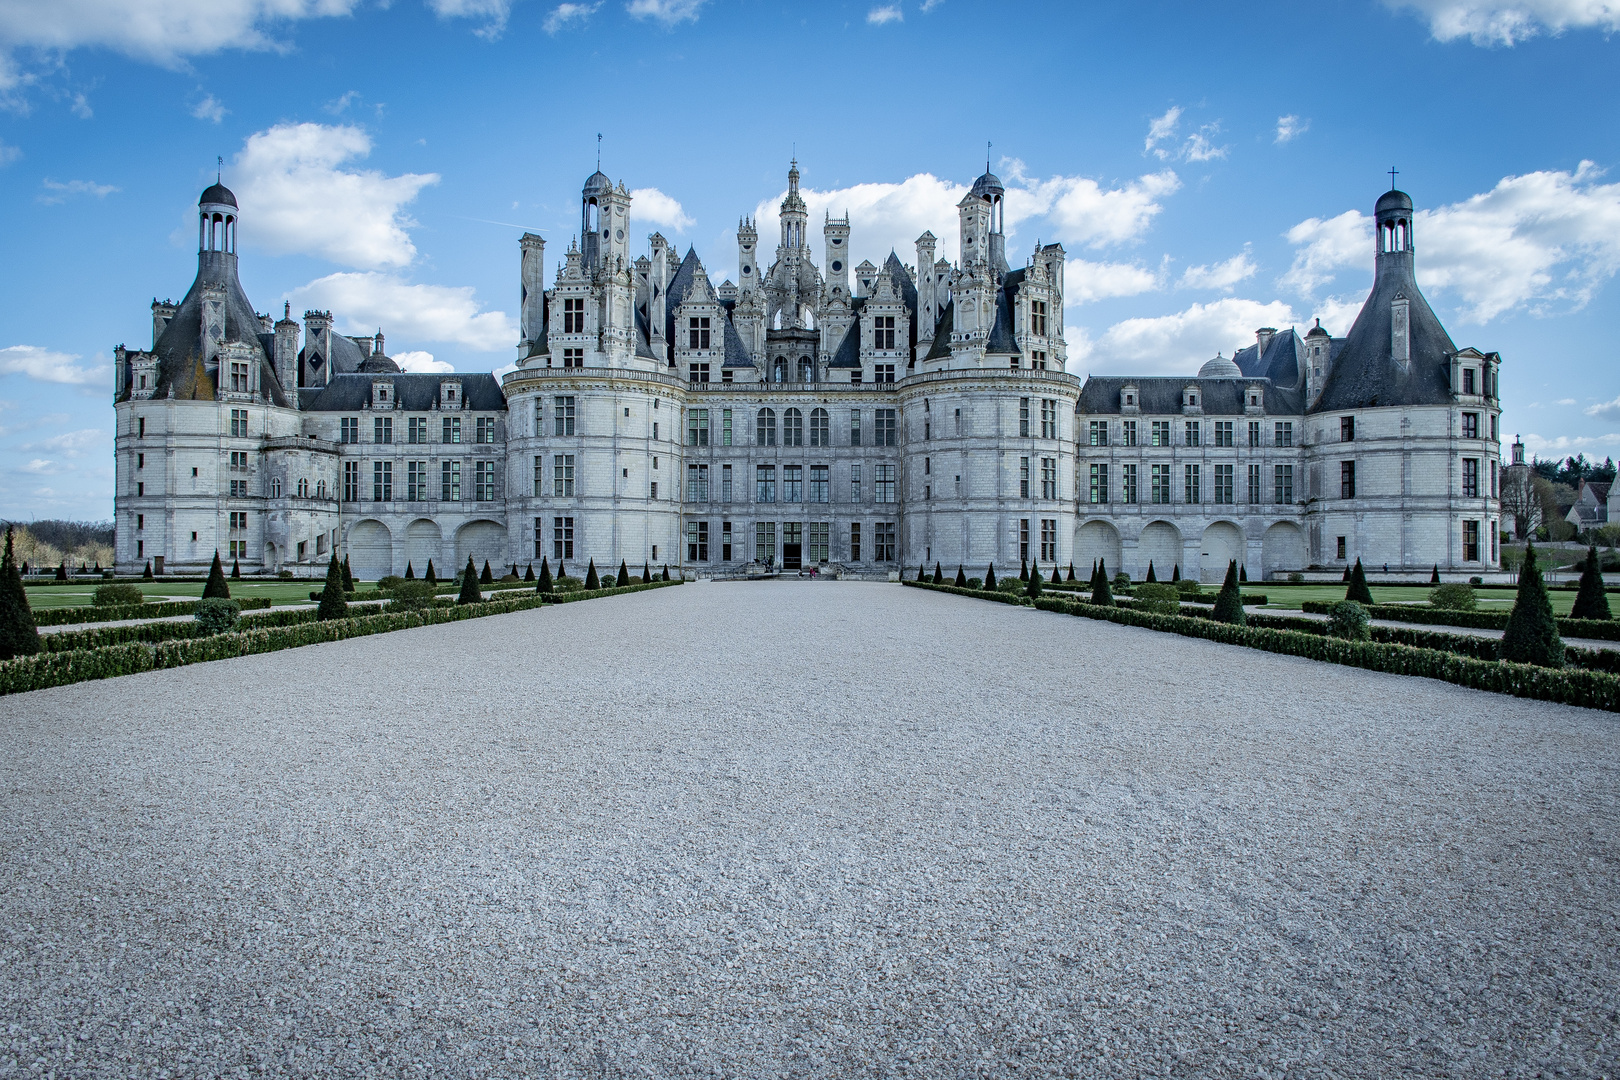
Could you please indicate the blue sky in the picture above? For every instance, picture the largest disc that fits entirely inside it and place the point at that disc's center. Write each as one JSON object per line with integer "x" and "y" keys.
{"x": 1210, "y": 169}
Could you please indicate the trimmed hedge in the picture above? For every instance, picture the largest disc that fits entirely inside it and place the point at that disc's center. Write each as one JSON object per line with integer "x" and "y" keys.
{"x": 592, "y": 594}
{"x": 1592, "y": 689}
{"x": 1592, "y": 629}
{"x": 163, "y": 609}
{"x": 153, "y": 632}
{"x": 60, "y": 668}
{"x": 1017, "y": 599}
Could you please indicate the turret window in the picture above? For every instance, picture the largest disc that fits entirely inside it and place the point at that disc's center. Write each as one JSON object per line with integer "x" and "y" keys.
{"x": 574, "y": 315}
{"x": 1347, "y": 429}
{"x": 883, "y": 333}
{"x": 1470, "y": 425}
{"x": 1468, "y": 380}
{"x": 1037, "y": 317}
{"x": 698, "y": 333}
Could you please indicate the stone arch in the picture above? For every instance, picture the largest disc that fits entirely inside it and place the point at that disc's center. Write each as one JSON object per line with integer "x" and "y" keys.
{"x": 424, "y": 541}
{"x": 1159, "y": 544}
{"x": 484, "y": 541}
{"x": 1093, "y": 540}
{"x": 371, "y": 550}
{"x": 1223, "y": 542}
{"x": 1282, "y": 549}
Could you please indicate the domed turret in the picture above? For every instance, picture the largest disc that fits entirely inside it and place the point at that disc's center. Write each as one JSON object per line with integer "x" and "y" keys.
{"x": 1220, "y": 368}
{"x": 596, "y": 184}
{"x": 218, "y": 194}
{"x": 1317, "y": 331}
{"x": 988, "y": 187}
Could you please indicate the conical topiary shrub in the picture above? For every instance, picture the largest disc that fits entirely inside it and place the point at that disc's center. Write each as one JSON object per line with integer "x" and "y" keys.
{"x": 562, "y": 570}
{"x": 1243, "y": 574}
{"x": 1101, "y": 594}
{"x": 333, "y": 605}
{"x": 1150, "y": 579}
{"x": 1590, "y": 600}
{"x": 1175, "y": 573}
{"x": 410, "y": 572}
{"x": 542, "y": 585}
{"x": 1229, "y": 601}
{"x": 1345, "y": 577}
{"x": 470, "y": 593}
{"x": 215, "y": 588}
{"x": 623, "y": 581}
{"x": 487, "y": 577}
{"x": 939, "y": 576}
{"x": 1358, "y": 590}
{"x": 430, "y": 577}
{"x": 61, "y": 571}
{"x": 646, "y": 573}
{"x": 1032, "y": 588}
{"x": 922, "y": 575}
{"x": 1023, "y": 570}
{"x": 18, "y": 635}
{"x": 348, "y": 575}
{"x": 591, "y": 580}
{"x": 990, "y": 578}
{"x": 666, "y": 572}
{"x": 961, "y": 577}
{"x": 528, "y": 572}
{"x": 236, "y": 570}
{"x": 1071, "y": 573}
{"x": 146, "y": 574}
{"x": 1434, "y": 578}
{"x": 1531, "y": 636}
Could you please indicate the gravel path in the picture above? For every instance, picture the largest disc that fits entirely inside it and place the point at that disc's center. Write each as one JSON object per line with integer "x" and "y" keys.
{"x": 800, "y": 829}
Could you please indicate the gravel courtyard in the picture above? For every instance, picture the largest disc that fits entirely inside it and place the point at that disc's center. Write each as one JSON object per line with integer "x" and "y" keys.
{"x": 795, "y": 829}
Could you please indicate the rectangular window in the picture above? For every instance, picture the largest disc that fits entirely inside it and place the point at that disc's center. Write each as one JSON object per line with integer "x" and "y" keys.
{"x": 1099, "y": 483}
{"x": 539, "y": 537}
{"x": 820, "y": 485}
{"x": 451, "y": 432}
{"x": 382, "y": 481}
{"x": 1099, "y": 433}
{"x": 1191, "y": 484}
{"x": 854, "y": 427}
{"x": 1048, "y": 539}
{"x": 416, "y": 429}
{"x": 725, "y": 427}
{"x": 1161, "y": 433}
{"x": 239, "y": 489}
{"x": 573, "y": 358}
{"x": 765, "y": 483}
{"x": 883, "y": 483}
{"x": 765, "y": 541}
{"x": 382, "y": 429}
{"x": 1128, "y": 432}
{"x": 697, "y": 427}
{"x": 1494, "y": 438}
{"x": 1470, "y": 478}
{"x": 351, "y": 481}
{"x": 1470, "y": 425}
{"x": 1127, "y": 483}
{"x": 349, "y": 429}
{"x": 1023, "y": 478}
{"x": 1347, "y": 429}
{"x": 820, "y": 548}
{"x": 883, "y": 335}
{"x": 725, "y": 541}
{"x": 1224, "y": 486}
{"x": 1283, "y": 434}
{"x": 697, "y": 483}
{"x": 562, "y": 538}
{"x": 697, "y": 334}
{"x": 539, "y": 476}
{"x": 239, "y": 427}
{"x": 1282, "y": 484}
{"x": 883, "y": 547}
{"x": 1023, "y": 417}
{"x": 486, "y": 429}
{"x": 239, "y": 460}
{"x": 1049, "y": 428}
{"x": 1254, "y": 433}
{"x": 697, "y": 538}
{"x": 1468, "y": 381}
{"x": 1049, "y": 478}
{"x": 238, "y": 520}
{"x": 652, "y": 492}
{"x": 1254, "y": 484}
{"x": 820, "y": 428}
{"x": 855, "y": 483}
{"x": 562, "y": 476}
{"x": 1224, "y": 435}
{"x": 1470, "y": 541}
{"x": 725, "y": 483}
{"x": 239, "y": 377}
{"x": 1347, "y": 479}
{"x": 1340, "y": 548}
{"x": 854, "y": 541}
{"x": 1023, "y": 539}
{"x": 1494, "y": 492}
{"x": 884, "y": 423}
{"x": 449, "y": 481}
{"x": 1160, "y": 486}
{"x": 562, "y": 414}
{"x": 1193, "y": 428}
{"x": 698, "y": 373}
{"x": 883, "y": 373}
{"x": 1037, "y": 317}
{"x": 416, "y": 481}
{"x": 574, "y": 315}
{"x": 959, "y": 421}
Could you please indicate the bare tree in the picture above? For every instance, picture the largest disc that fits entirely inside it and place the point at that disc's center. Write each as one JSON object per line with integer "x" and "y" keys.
{"x": 1521, "y": 500}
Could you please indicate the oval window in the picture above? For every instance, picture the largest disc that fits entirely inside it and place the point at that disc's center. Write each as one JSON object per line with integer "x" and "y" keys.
{"x": 837, "y": 266}
{"x": 620, "y": 233}
{"x": 748, "y": 269}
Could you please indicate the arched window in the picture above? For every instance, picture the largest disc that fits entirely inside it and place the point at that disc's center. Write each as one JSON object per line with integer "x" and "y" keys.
{"x": 765, "y": 428}
{"x": 805, "y": 369}
{"x": 820, "y": 429}
{"x": 275, "y": 488}
{"x": 779, "y": 370}
{"x": 793, "y": 428}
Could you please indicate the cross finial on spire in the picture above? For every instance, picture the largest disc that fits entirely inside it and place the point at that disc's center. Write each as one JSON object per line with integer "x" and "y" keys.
{"x": 987, "y": 155}
{"x": 219, "y": 174}
{"x": 598, "y": 151}
{"x": 1392, "y": 178}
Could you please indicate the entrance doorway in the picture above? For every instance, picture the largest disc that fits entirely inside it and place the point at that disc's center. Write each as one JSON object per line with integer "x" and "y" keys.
{"x": 792, "y": 545}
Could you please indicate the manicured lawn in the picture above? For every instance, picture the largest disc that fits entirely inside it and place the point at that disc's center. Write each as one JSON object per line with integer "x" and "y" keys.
{"x": 1490, "y": 599}
{"x": 77, "y": 595}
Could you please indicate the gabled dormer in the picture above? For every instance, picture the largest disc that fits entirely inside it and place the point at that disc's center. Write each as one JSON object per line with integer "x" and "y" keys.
{"x": 451, "y": 394}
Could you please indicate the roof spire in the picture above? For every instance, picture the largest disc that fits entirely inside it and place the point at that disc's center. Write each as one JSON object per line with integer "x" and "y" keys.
{"x": 598, "y": 151}
{"x": 987, "y": 155}
{"x": 219, "y": 172}
{"x": 1392, "y": 178}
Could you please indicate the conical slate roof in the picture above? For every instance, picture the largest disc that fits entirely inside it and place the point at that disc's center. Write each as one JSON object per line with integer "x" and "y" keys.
{"x": 180, "y": 349}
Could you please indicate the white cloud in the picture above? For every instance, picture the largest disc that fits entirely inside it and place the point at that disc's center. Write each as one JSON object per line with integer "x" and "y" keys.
{"x": 1086, "y": 281}
{"x": 1565, "y": 401}
{"x": 73, "y": 444}
{"x": 668, "y": 12}
{"x": 564, "y": 14}
{"x": 1323, "y": 246}
{"x": 881, "y": 216}
{"x": 365, "y": 302}
{"x": 46, "y": 365}
{"x": 887, "y": 13}
{"x": 1607, "y": 410}
{"x": 656, "y": 208}
{"x": 1178, "y": 343}
{"x": 1200, "y": 145}
{"x": 1291, "y": 127}
{"x": 416, "y": 360}
{"x": 210, "y": 108}
{"x": 1507, "y": 22}
{"x": 1221, "y": 275}
{"x": 8, "y": 154}
{"x": 1082, "y": 211}
{"x": 930, "y": 5}
{"x": 1567, "y": 444}
{"x": 79, "y": 105}
{"x": 296, "y": 199}
{"x": 493, "y": 12}
{"x": 340, "y": 105}
{"x": 39, "y": 467}
{"x": 60, "y": 192}
{"x": 1164, "y": 131}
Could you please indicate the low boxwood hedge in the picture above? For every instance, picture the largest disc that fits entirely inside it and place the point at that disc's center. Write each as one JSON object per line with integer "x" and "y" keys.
{"x": 163, "y": 609}
{"x": 1017, "y": 599}
{"x": 58, "y": 668}
{"x": 1591, "y": 629}
{"x": 153, "y": 632}
{"x": 1592, "y": 689}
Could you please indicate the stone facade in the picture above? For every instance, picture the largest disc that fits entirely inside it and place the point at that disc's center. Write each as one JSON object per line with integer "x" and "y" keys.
{"x": 863, "y": 419}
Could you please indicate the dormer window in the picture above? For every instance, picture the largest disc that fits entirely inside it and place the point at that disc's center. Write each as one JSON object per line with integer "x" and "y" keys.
{"x": 1468, "y": 380}
{"x": 1130, "y": 399}
{"x": 698, "y": 333}
{"x": 574, "y": 315}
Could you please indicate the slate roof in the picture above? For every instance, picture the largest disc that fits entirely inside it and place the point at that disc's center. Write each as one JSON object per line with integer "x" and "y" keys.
{"x": 179, "y": 348}
{"x": 848, "y": 353}
{"x": 1162, "y": 394}
{"x": 1283, "y": 362}
{"x": 413, "y": 392}
{"x": 736, "y": 352}
{"x": 217, "y": 193}
{"x": 1002, "y": 342}
{"x": 942, "y": 333}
